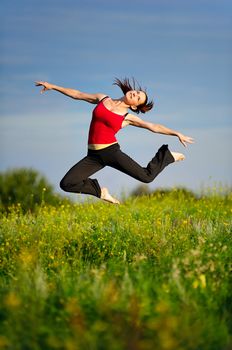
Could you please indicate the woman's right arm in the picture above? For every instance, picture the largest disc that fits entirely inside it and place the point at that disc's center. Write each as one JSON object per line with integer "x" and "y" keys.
{"x": 76, "y": 94}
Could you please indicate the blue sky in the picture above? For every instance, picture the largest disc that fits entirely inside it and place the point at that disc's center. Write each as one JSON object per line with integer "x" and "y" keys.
{"x": 179, "y": 50}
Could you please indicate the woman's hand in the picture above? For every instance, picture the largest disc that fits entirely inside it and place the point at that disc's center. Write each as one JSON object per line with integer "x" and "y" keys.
{"x": 46, "y": 86}
{"x": 185, "y": 139}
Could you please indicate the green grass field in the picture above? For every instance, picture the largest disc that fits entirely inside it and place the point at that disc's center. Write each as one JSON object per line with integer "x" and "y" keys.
{"x": 152, "y": 273}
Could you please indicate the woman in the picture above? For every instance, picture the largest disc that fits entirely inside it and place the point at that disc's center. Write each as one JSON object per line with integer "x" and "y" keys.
{"x": 109, "y": 116}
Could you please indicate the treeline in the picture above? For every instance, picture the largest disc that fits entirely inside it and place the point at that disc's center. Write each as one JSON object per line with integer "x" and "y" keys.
{"x": 144, "y": 189}
{"x": 27, "y": 188}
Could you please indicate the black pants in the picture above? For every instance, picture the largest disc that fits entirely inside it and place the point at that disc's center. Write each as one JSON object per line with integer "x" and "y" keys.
{"x": 77, "y": 178}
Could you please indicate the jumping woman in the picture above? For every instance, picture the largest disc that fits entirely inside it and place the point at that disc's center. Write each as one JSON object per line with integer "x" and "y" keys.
{"x": 109, "y": 116}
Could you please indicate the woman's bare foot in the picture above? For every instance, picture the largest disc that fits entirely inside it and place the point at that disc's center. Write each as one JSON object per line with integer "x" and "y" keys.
{"x": 106, "y": 196}
{"x": 178, "y": 156}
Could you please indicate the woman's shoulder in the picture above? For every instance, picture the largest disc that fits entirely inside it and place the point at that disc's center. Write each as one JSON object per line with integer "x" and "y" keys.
{"x": 102, "y": 97}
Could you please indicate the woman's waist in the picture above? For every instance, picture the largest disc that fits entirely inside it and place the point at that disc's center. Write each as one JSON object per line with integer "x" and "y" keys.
{"x": 99, "y": 146}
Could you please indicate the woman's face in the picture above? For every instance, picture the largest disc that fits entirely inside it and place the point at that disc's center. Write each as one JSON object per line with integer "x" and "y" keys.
{"x": 135, "y": 98}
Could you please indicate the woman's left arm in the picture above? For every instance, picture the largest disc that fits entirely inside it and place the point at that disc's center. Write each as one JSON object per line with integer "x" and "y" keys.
{"x": 157, "y": 128}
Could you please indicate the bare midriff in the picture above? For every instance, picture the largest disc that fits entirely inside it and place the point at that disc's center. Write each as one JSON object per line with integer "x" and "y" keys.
{"x": 96, "y": 147}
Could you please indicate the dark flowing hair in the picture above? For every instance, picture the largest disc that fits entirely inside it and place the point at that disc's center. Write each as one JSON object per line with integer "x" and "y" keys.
{"x": 125, "y": 85}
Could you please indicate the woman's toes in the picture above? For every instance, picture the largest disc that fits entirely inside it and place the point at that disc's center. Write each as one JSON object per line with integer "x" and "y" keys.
{"x": 106, "y": 196}
{"x": 178, "y": 156}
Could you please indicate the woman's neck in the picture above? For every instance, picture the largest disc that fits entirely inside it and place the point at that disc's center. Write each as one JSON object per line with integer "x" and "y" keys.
{"x": 120, "y": 102}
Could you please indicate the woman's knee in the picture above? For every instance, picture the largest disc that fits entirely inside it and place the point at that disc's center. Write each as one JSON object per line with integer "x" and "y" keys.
{"x": 68, "y": 186}
{"x": 64, "y": 185}
{"x": 145, "y": 177}
{"x": 146, "y": 180}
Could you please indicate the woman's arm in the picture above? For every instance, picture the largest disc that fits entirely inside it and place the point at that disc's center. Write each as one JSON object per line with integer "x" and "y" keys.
{"x": 76, "y": 94}
{"x": 157, "y": 128}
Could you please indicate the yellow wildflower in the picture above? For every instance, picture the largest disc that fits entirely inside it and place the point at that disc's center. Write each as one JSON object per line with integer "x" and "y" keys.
{"x": 202, "y": 280}
{"x": 12, "y": 300}
{"x": 195, "y": 284}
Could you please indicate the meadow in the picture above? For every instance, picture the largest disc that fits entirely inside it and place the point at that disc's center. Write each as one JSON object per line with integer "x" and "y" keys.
{"x": 152, "y": 273}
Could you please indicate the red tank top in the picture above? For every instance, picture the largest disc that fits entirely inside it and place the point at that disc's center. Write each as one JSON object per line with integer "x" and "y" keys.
{"x": 104, "y": 125}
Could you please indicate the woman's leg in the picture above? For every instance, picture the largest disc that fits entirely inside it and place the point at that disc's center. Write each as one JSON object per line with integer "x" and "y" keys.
{"x": 127, "y": 165}
{"x": 77, "y": 178}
